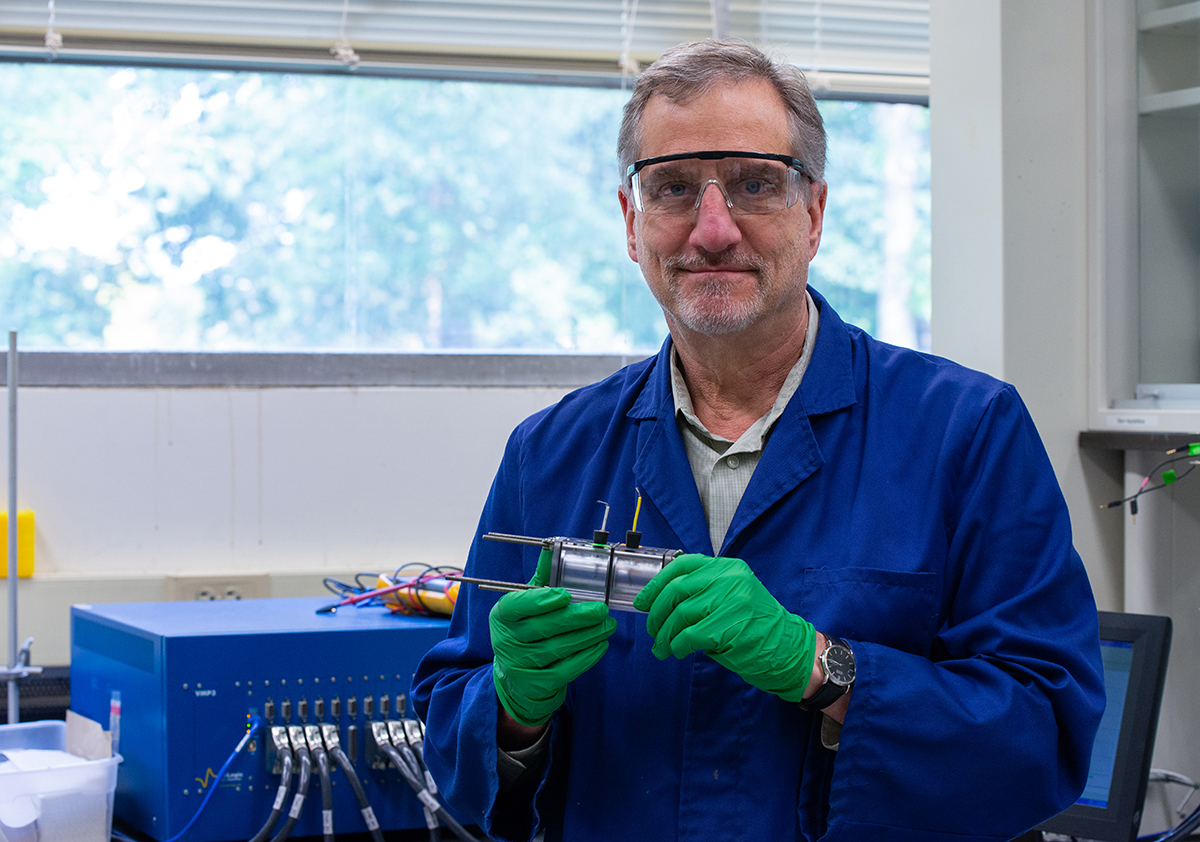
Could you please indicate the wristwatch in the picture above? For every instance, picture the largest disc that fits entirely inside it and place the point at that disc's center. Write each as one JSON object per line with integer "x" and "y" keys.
{"x": 837, "y": 665}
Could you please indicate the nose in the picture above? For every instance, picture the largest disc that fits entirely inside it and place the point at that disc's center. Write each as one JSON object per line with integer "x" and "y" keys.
{"x": 715, "y": 229}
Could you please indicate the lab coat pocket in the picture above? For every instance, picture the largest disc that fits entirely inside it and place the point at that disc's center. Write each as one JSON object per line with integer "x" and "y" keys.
{"x": 892, "y": 607}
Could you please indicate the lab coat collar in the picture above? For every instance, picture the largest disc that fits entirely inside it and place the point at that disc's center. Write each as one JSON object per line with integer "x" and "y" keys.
{"x": 828, "y": 384}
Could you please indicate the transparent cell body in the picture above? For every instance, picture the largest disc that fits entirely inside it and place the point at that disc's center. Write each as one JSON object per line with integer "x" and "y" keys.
{"x": 613, "y": 574}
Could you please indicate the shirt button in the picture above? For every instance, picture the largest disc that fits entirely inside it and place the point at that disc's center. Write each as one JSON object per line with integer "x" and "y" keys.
{"x": 733, "y": 462}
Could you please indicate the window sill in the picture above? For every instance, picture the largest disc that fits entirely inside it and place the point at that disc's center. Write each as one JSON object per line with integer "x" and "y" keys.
{"x": 264, "y": 370}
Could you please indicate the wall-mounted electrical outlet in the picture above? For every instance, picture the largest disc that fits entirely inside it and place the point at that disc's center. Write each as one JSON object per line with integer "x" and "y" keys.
{"x": 217, "y": 587}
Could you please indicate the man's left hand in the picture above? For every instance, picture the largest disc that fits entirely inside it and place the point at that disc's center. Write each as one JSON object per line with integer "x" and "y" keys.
{"x": 718, "y": 605}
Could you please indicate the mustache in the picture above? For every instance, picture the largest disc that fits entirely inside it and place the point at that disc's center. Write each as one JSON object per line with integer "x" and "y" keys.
{"x": 728, "y": 259}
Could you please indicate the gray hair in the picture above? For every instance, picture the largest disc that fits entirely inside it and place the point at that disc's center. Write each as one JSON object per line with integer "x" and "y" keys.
{"x": 691, "y": 69}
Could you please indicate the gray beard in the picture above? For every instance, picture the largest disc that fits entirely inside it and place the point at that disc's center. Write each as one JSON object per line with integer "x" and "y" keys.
{"x": 707, "y": 309}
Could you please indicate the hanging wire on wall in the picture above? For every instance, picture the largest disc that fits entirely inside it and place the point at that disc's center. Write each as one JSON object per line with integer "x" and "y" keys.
{"x": 720, "y": 18}
{"x": 817, "y": 78}
{"x": 341, "y": 49}
{"x": 54, "y": 40}
{"x": 628, "y": 64}
{"x": 629, "y": 70}
{"x": 350, "y": 298}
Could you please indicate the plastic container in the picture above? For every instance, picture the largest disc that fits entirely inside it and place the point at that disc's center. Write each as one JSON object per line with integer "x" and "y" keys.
{"x": 64, "y": 804}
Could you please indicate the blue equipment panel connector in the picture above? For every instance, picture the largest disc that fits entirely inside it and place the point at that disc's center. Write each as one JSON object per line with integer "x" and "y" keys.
{"x": 190, "y": 674}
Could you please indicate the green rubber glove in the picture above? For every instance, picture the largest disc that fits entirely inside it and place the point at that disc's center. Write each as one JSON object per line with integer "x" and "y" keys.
{"x": 541, "y": 641}
{"x": 718, "y": 605}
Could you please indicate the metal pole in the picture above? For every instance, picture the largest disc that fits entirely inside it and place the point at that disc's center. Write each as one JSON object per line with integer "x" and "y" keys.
{"x": 14, "y": 702}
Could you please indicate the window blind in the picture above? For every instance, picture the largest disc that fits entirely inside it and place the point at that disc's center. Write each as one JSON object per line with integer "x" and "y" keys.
{"x": 865, "y": 46}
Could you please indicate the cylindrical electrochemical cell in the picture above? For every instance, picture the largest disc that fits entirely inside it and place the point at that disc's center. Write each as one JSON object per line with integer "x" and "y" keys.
{"x": 580, "y": 568}
{"x": 612, "y": 574}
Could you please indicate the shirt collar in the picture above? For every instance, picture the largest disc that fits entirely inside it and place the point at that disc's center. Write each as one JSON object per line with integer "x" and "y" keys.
{"x": 755, "y": 436}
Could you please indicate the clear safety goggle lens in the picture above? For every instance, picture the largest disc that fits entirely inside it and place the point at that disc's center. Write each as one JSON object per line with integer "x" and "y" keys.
{"x": 751, "y": 183}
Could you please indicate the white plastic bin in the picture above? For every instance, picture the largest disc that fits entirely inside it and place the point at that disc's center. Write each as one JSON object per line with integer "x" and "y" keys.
{"x": 63, "y": 804}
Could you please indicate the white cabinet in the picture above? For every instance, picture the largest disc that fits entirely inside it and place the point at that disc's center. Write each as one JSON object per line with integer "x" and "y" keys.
{"x": 1168, "y": 106}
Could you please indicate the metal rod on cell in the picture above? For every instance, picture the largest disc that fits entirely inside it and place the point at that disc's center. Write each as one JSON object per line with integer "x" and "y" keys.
{"x": 545, "y": 543}
{"x": 491, "y": 584}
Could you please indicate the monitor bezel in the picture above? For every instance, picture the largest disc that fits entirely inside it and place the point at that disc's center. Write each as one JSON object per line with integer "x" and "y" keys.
{"x": 1120, "y": 819}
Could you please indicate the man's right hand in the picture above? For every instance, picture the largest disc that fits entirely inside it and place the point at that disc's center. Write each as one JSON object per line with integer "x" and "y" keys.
{"x": 541, "y": 642}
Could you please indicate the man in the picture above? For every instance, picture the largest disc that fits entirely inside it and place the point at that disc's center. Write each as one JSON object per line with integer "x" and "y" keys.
{"x": 897, "y": 642}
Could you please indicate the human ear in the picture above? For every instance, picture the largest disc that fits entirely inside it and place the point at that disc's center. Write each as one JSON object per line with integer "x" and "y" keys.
{"x": 630, "y": 229}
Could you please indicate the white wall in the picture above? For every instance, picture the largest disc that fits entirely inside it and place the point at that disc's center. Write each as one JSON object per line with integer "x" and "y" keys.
{"x": 129, "y": 486}
{"x": 1010, "y": 127}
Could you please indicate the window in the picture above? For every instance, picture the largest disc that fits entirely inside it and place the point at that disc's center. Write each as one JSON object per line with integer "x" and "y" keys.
{"x": 146, "y": 208}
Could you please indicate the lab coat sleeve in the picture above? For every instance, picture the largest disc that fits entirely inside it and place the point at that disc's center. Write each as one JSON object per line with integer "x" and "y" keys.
{"x": 453, "y": 690}
{"x": 992, "y": 731}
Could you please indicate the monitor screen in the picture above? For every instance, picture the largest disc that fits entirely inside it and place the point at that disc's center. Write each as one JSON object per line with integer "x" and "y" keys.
{"x": 1118, "y": 660}
{"x": 1134, "y": 650}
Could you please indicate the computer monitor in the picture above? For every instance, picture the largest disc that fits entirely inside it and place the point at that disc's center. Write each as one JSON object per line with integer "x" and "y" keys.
{"x": 1134, "y": 648}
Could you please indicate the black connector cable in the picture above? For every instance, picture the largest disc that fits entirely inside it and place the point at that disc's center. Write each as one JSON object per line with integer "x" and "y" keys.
{"x": 414, "y": 738}
{"x": 333, "y": 746}
{"x": 380, "y": 736}
{"x": 301, "y": 751}
{"x": 326, "y": 794}
{"x": 317, "y": 749}
{"x": 285, "y": 784}
{"x": 401, "y": 738}
{"x": 435, "y": 833}
{"x": 413, "y": 778}
{"x": 343, "y": 761}
{"x": 1168, "y": 476}
{"x": 404, "y": 760}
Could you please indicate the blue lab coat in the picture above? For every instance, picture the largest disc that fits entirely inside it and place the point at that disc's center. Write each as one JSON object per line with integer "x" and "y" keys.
{"x": 904, "y": 503}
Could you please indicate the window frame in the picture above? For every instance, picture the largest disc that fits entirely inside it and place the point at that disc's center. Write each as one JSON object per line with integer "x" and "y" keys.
{"x": 309, "y": 369}
{"x": 336, "y": 368}
{"x": 878, "y": 47}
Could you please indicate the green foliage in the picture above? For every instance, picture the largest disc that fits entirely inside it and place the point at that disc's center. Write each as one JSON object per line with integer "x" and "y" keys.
{"x": 153, "y": 208}
{"x": 867, "y": 160}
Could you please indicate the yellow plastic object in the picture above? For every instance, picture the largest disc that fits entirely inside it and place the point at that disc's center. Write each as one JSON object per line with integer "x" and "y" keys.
{"x": 433, "y": 595}
{"x": 24, "y": 544}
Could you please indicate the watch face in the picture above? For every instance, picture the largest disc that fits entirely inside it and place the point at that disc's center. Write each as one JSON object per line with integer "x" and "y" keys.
{"x": 839, "y": 665}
